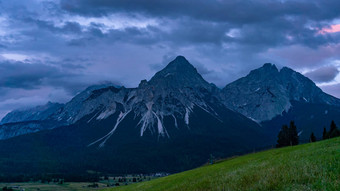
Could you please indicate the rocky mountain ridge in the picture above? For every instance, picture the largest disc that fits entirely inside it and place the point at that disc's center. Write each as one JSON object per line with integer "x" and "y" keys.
{"x": 171, "y": 123}
{"x": 173, "y": 92}
{"x": 267, "y": 92}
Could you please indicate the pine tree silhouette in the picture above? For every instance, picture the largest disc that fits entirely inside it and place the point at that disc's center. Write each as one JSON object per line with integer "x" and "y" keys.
{"x": 312, "y": 138}
{"x": 293, "y": 134}
{"x": 334, "y": 131}
{"x": 324, "y": 134}
{"x": 333, "y": 127}
{"x": 288, "y": 136}
{"x": 283, "y": 137}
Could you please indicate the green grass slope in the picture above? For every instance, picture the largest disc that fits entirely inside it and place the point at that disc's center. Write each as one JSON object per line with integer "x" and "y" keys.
{"x": 313, "y": 166}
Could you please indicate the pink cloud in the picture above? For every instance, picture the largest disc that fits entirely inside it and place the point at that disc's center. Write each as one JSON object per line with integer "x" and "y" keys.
{"x": 332, "y": 29}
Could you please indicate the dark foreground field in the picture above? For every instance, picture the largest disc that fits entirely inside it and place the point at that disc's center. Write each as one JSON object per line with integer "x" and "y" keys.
{"x": 313, "y": 166}
{"x": 36, "y": 186}
{"x": 109, "y": 181}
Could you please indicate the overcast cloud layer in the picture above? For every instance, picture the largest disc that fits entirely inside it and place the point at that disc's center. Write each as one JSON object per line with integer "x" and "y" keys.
{"x": 52, "y": 49}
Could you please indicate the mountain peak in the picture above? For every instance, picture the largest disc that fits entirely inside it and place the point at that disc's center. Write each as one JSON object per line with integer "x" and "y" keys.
{"x": 179, "y": 73}
{"x": 180, "y": 58}
{"x": 267, "y": 71}
{"x": 180, "y": 64}
{"x": 287, "y": 70}
{"x": 269, "y": 67}
{"x": 266, "y": 92}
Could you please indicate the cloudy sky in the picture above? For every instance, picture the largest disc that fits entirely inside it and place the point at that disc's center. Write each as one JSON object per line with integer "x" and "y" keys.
{"x": 52, "y": 49}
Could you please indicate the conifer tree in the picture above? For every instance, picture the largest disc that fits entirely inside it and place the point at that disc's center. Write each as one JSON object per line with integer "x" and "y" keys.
{"x": 312, "y": 138}
{"x": 324, "y": 134}
{"x": 334, "y": 131}
{"x": 288, "y": 136}
{"x": 283, "y": 137}
{"x": 333, "y": 127}
{"x": 293, "y": 134}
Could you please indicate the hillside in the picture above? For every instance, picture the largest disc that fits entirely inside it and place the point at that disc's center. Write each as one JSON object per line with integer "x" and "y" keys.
{"x": 313, "y": 166}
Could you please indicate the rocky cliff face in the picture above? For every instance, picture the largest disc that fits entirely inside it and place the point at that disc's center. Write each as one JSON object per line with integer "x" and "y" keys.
{"x": 32, "y": 114}
{"x": 48, "y": 116}
{"x": 170, "y": 123}
{"x": 173, "y": 93}
{"x": 267, "y": 92}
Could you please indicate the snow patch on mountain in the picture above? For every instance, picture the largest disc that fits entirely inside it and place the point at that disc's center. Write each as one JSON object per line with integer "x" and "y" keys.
{"x": 175, "y": 120}
{"x": 105, "y": 114}
{"x": 147, "y": 120}
{"x": 188, "y": 110}
{"x": 161, "y": 129}
{"x": 107, "y": 136}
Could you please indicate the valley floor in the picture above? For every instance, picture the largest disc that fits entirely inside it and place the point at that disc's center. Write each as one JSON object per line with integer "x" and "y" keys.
{"x": 110, "y": 181}
{"x": 312, "y": 166}
{"x": 68, "y": 186}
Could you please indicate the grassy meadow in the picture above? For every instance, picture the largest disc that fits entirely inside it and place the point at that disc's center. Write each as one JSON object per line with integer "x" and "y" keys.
{"x": 312, "y": 166}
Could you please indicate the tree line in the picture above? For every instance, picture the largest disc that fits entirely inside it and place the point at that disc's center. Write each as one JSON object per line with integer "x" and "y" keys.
{"x": 288, "y": 136}
{"x": 333, "y": 132}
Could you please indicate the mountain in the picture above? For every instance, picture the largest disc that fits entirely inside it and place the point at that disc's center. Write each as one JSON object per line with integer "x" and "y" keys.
{"x": 273, "y": 97}
{"x": 179, "y": 74}
{"x": 24, "y": 121}
{"x": 48, "y": 116}
{"x": 267, "y": 92}
{"x": 32, "y": 114}
{"x": 171, "y": 123}
{"x": 75, "y": 109}
{"x": 171, "y": 95}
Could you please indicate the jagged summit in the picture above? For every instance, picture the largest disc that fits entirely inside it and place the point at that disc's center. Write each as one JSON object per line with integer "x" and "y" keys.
{"x": 267, "y": 92}
{"x": 268, "y": 67}
{"x": 179, "y": 73}
{"x": 180, "y": 64}
{"x": 172, "y": 116}
{"x": 175, "y": 92}
{"x": 266, "y": 70}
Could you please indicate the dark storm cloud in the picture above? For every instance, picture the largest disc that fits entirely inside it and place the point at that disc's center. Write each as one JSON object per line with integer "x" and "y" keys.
{"x": 70, "y": 44}
{"x": 127, "y": 35}
{"x": 282, "y": 31}
{"x": 214, "y": 10}
{"x": 32, "y": 75}
{"x": 195, "y": 32}
{"x": 68, "y": 27}
{"x": 27, "y": 75}
{"x": 324, "y": 74}
{"x": 197, "y": 22}
{"x": 262, "y": 23}
{"x": 188, "y": 31}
